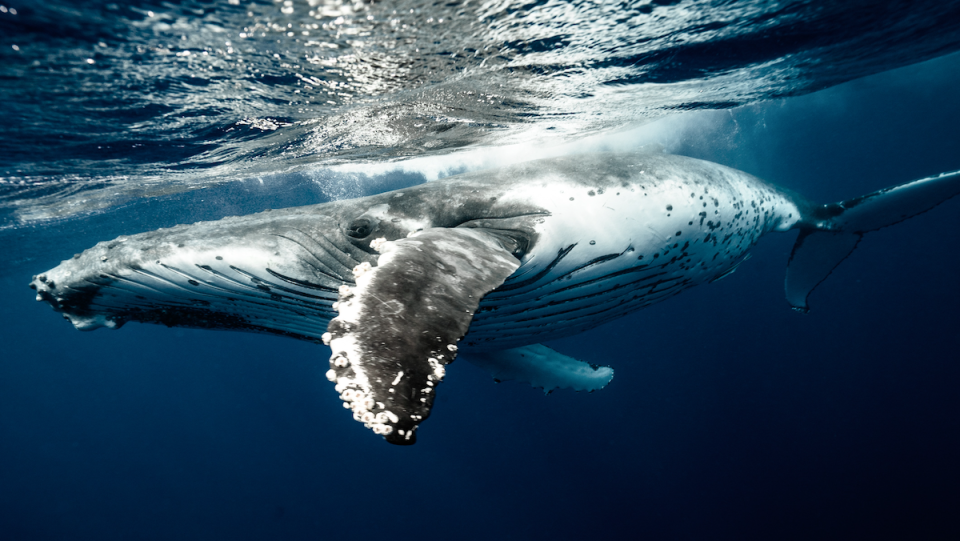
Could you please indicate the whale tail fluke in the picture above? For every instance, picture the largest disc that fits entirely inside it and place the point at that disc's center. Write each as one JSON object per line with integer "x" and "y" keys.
{"x": 830, "y": 233}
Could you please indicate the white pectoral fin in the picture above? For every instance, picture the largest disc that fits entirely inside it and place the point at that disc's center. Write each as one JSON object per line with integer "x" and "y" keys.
{"x": 542, "y": 367}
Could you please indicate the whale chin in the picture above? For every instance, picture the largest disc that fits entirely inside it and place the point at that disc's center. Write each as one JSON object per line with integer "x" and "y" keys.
{"x": 275, "y": 272}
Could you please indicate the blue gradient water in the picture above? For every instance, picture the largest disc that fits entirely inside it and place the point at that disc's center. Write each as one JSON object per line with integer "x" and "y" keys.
{"x": 730, "y": 416}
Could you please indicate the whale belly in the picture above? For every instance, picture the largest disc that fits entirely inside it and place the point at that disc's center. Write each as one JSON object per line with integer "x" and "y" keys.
{"x": 618, "y": 246}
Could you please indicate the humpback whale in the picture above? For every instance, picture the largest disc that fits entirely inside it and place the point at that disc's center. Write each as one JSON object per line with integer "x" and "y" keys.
{"x": 483, "y": 266}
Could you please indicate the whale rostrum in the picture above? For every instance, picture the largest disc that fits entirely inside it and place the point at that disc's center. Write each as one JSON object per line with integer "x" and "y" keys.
{"x": 482, "y": 266}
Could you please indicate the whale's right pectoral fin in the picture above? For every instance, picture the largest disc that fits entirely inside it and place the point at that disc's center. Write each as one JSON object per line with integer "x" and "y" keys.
{"x": 399, "y": 326}
{"x": 541, "y": 367}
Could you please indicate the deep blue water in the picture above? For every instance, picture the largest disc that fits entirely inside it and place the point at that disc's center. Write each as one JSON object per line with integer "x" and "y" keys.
{"x": 730, "y": 415}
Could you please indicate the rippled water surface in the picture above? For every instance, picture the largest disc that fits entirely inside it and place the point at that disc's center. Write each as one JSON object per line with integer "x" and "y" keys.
{"x": 109, "y": 102}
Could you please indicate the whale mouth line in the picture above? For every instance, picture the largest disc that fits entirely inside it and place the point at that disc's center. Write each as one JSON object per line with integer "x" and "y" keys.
{"x": 212, "y": 306}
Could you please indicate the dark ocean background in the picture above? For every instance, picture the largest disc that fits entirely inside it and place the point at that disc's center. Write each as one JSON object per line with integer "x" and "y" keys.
{"x": 730, "y": 416}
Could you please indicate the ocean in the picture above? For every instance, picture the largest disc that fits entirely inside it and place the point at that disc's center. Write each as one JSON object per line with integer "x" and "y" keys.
{"x": 730, "y": 416}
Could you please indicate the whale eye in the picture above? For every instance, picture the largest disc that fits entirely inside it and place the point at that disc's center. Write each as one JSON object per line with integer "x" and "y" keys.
{"x": 359, "y": 228}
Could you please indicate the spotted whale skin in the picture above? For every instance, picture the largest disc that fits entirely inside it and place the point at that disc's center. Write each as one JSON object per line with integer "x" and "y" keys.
{"x": 483, "y": 265}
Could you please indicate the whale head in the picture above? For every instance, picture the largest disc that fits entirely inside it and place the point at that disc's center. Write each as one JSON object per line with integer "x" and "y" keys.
{"x": 276, "y": 271}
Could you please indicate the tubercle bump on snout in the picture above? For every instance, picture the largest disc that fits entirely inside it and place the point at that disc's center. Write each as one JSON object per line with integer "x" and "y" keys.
{"x": 48, "y": 292}
{"x": 44, "y": 295}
